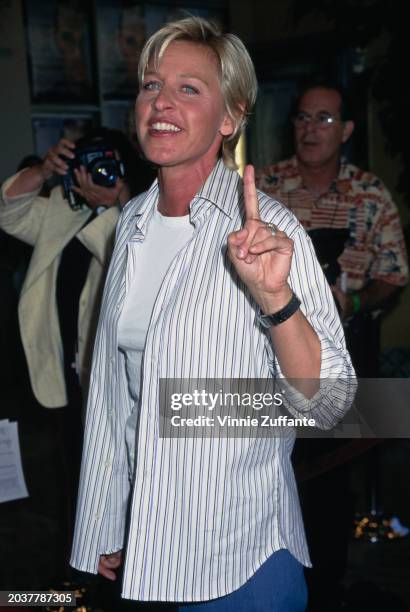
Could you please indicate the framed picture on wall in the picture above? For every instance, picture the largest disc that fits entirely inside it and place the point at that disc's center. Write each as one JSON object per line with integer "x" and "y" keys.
{"x": 121, "y": 36}
{"x": 60, "y": 51}
{"x": 122, "y": 29}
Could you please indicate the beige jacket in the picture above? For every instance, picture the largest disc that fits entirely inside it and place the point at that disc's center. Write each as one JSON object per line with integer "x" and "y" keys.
{"x": 48, "y": 224}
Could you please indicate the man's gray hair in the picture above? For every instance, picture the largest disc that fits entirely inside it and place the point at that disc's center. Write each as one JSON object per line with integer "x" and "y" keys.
{"x": 237, "y": 74}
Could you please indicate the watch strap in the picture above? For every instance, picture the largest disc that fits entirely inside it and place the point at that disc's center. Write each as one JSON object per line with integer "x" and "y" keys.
{"x": 282, "y": 315}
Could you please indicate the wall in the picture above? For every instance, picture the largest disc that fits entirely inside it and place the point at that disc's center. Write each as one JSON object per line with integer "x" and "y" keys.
{"x": 15, "y": 124}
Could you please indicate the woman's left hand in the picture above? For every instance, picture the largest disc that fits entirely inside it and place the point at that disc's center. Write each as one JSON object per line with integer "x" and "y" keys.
{"x": 262, "y": 256}
{"x": 96, "y": 195}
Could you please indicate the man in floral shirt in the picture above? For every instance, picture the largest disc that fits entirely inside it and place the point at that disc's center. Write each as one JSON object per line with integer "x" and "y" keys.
{"x": 352, "y": 220}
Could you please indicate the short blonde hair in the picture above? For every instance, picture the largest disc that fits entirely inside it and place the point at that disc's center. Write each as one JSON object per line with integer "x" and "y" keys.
{"x": 237, "y": 74}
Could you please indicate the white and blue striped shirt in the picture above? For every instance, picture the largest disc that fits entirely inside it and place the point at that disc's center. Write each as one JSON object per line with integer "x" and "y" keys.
{"x": 201, "y": 514}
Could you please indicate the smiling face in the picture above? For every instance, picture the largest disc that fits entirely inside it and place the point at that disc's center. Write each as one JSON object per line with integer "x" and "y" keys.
{"x": 180, "y": 111}
{"x": 315, "y": 146}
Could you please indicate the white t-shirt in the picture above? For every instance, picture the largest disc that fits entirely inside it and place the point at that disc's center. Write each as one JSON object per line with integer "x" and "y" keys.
{"x": 165, "y": 237}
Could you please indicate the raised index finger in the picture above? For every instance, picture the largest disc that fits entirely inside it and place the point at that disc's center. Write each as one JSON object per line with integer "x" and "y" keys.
{"x": 250, "y": 195}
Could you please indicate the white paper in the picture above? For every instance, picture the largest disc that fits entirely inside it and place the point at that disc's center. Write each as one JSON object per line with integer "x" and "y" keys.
{"x": 12, "y": 483}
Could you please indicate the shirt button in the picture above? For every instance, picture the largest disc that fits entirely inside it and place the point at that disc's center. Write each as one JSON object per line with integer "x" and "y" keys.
{"x": 97, "y": 516}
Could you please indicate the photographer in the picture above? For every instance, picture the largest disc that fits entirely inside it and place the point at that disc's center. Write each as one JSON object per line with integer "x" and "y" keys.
{"x": 60, "y": 298}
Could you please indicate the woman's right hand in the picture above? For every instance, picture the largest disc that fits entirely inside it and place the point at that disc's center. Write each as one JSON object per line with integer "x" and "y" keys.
{"x": 32, "y": 179}
{"x": 108, "y": 563}
{"x": 53, "y": 162}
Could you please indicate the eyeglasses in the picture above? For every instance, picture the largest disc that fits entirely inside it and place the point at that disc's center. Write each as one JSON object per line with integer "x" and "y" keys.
{"x": 322, "y": 120}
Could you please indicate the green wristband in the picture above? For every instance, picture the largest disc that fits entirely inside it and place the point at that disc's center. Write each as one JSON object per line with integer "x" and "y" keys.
{"x": 357, "y": 303}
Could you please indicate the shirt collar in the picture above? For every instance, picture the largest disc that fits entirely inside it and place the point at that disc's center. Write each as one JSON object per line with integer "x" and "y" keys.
{"x": 217, "y": 191}
{"x": 138, "y": 211}
{"x": 294, "y": 181}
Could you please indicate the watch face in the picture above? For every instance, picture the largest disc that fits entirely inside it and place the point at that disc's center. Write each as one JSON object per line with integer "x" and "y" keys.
{"x": 266, "y": 321}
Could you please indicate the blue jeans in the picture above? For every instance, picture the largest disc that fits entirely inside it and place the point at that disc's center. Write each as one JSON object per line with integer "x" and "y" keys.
{"x": 278, "y": 586}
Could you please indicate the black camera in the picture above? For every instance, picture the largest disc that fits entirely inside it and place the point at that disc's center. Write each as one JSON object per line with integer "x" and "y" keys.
{"x": 100, "y": 161}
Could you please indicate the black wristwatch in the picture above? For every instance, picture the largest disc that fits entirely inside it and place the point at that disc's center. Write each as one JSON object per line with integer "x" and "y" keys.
{"x": 282, "y": 315}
